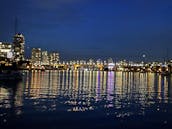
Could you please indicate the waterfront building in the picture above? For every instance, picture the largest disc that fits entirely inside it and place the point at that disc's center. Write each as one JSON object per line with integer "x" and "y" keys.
{"x": 99, "y": 61}
{"x": 36, "y": 56}
{"x": 45, "y": 59}
{"x": 54, "y": 58}
{"x": 104, "y": 62}
{"x": 90, "y": 62}
{"x": 18, "y": 46}
{"x": 82, "y": 62}
{"x": 77, "y": 62}
{"x": 6, "y": 50}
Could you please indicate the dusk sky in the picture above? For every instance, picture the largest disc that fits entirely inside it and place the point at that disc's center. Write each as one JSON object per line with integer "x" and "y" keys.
{"x": 121, "y": 29}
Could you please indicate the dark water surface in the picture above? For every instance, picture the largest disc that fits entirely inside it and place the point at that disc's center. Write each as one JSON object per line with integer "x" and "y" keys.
{"x": 86, "y": 100}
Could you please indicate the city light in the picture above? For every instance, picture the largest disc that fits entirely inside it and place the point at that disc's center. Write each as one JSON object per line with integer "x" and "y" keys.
{"x": 11, "y": 53}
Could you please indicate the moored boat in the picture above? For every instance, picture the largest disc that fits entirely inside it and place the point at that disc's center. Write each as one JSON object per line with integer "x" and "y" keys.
{"x": 9, "y": 75}
{"x": 165, "y": 73}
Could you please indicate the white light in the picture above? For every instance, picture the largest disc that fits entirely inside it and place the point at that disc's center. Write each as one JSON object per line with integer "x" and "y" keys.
{"x": 111, "y": 65}
{"x": 9, "y": 55}
{"x": 144, "y": 55}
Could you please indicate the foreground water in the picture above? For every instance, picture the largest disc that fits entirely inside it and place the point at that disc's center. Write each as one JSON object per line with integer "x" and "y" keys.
{"x": 86, "y": 100}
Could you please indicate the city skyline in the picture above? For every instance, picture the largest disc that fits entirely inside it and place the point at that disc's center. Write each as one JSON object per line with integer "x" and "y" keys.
{"x": 27, "y": 53}
{"x": 90, "y": 64}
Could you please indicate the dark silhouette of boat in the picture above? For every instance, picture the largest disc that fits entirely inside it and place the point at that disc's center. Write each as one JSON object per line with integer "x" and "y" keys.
{"x": 10, "y": 76}
{"x": 165, "y": 74}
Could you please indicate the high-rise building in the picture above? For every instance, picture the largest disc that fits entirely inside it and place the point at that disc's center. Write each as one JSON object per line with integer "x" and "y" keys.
{"x": 91, "y": 62}
{"x": 53, "y": 58}
{"x": 6, "y": 50}
{"x": 99, "y": 61}
{"x": 18, "y": 46}
{"x": 45, "y": 59}
{"x": 36, "y": 56}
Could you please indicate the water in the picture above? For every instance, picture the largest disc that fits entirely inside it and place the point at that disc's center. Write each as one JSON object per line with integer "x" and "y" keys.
{"x": 87, "y": 100}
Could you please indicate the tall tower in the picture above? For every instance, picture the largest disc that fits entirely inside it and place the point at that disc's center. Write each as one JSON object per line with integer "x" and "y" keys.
{"x": 18, "y": 46}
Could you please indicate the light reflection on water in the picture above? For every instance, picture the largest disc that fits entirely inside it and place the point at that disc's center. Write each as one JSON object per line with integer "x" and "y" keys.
{"x": 114, "y": 94}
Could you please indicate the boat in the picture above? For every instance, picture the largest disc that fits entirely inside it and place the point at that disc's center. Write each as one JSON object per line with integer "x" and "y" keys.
{"x": 165, "y": 74}
{"x": 10, "y": 76}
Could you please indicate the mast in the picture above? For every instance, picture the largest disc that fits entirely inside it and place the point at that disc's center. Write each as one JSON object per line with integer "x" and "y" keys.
{"x": 15, "y": 25}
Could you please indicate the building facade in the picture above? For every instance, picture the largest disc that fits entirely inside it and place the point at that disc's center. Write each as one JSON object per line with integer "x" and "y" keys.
{"x": 53, "y": 58}
{"x": 45, "y": 58}
{"x": 6, "y": 50}
{"x": 18, "y": 46}
{"x": 36, "y": 57}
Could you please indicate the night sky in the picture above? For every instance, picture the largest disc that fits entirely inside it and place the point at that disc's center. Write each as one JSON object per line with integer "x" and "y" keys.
{"x": 121, "y": 29}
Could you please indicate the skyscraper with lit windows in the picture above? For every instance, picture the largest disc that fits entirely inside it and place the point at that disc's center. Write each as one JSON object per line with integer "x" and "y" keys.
{"x": 45, "y": 59}
{"x": 6, "y": 50}
{"x": 53, "y": 58}
{"x": 18, "y": 46}
{"x": 36, "y": 56}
